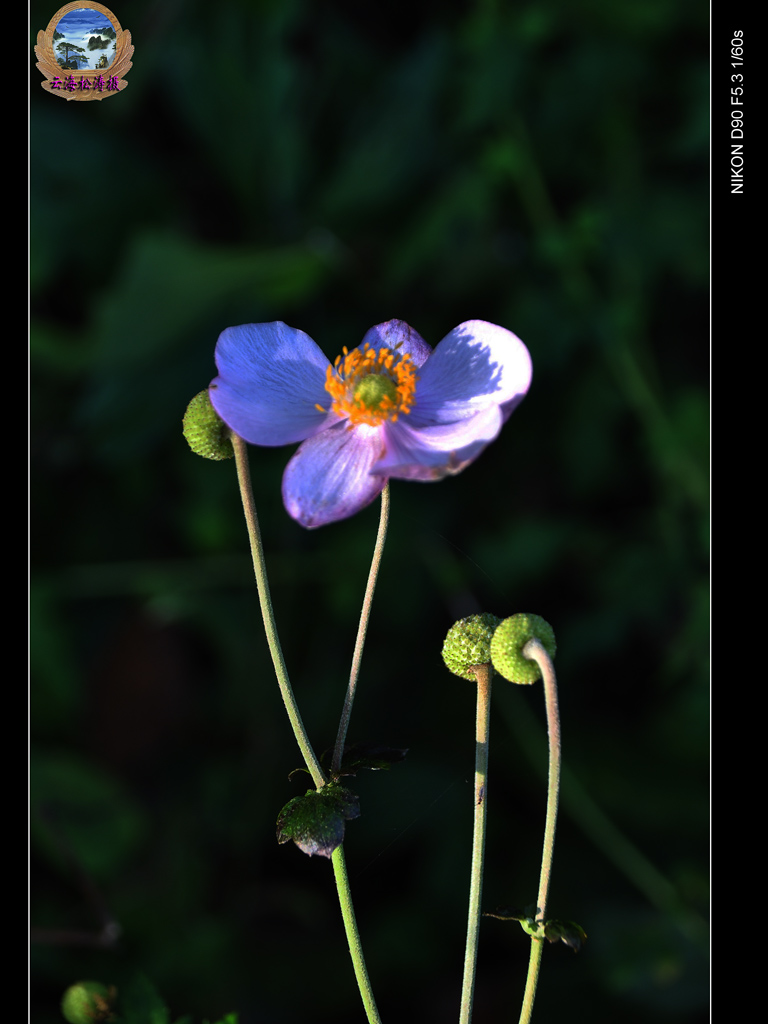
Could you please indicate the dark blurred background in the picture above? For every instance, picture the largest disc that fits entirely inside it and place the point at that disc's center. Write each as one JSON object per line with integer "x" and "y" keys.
{"x": 542, "y": 165}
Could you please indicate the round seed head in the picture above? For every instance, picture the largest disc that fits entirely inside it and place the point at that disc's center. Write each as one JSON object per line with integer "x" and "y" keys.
{"x": 87, "y": 1002}
{"x": 468, "y": 643}
{"x": 508, "y": 643}
{"x": 206, "y": 434}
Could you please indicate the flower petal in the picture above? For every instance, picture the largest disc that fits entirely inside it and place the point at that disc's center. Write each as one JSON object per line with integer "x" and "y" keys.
{"x": 329, "y": 478}
{"x": 476, "y": 366}
{"x": 430, "y": 453}
{"x": 271, "y": 377}
{"x": 398, "y": 334}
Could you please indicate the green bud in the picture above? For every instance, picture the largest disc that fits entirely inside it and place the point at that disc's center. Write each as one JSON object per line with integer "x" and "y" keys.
{"x": 468, "y": 643}
{"x": 87, "y": 1002}
{"x": 205, "y": 432}
{"x": 508, "y": 643}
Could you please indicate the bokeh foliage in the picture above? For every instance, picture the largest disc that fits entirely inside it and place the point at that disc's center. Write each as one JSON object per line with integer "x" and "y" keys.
{"x": 539, "y": 165}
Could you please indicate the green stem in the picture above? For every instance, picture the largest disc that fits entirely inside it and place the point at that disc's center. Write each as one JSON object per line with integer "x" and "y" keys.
{"x": 353, "y": 936}
{"x": 362, "y": 629}
{"x": 536, "y": 651}
{"x": 598, "y": 827}
{"x": 259, "y": 568}
{"x": 311, "y": 761}
{"x": 484, "y": 675}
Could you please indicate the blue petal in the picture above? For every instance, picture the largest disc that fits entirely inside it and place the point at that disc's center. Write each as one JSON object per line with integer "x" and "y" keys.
{"x": 398, "y": 334}
{"x": 271, "y": 377}
{"x": 476, "y": 366}
{"x": 430, "y": 453}
{"x": 329, "y": 478}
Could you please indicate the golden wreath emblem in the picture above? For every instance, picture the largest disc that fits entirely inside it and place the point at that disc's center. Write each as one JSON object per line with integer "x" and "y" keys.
{"x": 84, "y": 53}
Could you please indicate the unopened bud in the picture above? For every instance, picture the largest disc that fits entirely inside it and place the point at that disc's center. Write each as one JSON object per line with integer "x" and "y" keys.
{"x": 508, "y": 643}
{"x": 87, "y": 1002}
{"x": 206, "y": 433}
{"x": 468, "y": 643}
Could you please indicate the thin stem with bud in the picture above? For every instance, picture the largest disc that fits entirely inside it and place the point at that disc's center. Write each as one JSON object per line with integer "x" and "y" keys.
{"x": 484, "y": 675}
{"x": 270, "y": 627}
{"x": 535, "y": 650}
{"x": 362, "y": 629}
{"x": 310, "y": 759}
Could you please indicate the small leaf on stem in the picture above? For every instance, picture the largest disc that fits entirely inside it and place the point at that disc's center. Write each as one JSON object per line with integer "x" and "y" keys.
{"x": 315, "y": 821}
{"x": 569, "y": 932}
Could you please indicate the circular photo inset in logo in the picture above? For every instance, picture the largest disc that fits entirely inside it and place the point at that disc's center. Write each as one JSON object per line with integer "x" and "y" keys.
{"x": 84, "y": 53}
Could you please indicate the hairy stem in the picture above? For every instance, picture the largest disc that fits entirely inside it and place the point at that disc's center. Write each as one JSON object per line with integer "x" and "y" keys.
{"x": 353, "y": 936}
{"x": 311, "y": 761}
{"x": 484, "y": 675}
{"x": 259, "y": 568}
{"x": 362, "y": 629}
{"x": 536, "y": 651}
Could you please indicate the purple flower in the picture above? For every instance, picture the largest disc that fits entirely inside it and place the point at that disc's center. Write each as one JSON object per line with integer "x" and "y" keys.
{"x": 391, "y": 407}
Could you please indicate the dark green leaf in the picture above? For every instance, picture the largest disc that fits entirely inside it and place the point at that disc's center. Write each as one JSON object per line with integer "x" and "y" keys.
{"x": 315, "y": 821}
{"x": 569, "y": 932}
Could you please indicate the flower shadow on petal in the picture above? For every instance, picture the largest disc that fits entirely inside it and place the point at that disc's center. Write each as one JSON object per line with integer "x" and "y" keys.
{"x": 392, "y": 407}
{"x": 476, "y": 365}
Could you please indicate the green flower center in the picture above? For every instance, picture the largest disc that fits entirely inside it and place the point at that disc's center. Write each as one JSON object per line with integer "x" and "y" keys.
{"x": 369, "y": 386}
{"x": 374, "y": 388}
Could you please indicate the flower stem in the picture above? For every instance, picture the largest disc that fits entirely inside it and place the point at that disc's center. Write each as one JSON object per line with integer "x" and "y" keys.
{"x": 362, "y": 629}
{"x": 353, "y": 936}
{"x": 536, "y": 651}
{"x": 311, "y": 761}
{"x": 259, "y": 568}
{"x": 484, "y": 675}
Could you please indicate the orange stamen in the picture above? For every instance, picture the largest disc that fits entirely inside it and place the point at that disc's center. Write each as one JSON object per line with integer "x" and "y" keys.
{"x": 396, "y": 395}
